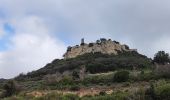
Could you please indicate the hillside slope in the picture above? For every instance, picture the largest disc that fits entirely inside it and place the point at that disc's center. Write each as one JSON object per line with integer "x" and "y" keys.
{"x": 93, "y": 63}
{"x": 90, "y": 75}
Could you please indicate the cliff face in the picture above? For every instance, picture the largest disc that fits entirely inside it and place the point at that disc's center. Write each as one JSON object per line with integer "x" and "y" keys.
{"x": 104, "y": 46}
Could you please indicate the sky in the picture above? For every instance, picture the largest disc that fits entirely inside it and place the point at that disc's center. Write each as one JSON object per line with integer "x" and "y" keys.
{"x": 35, "y": 32}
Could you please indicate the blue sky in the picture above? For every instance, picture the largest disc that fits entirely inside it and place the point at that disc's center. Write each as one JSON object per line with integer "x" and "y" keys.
{"x": 4, "y": 40}
{"x": 33, "y": 33}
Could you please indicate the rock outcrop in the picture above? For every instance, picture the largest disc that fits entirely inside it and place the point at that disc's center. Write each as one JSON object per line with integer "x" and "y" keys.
{"x": 104, "y": 46}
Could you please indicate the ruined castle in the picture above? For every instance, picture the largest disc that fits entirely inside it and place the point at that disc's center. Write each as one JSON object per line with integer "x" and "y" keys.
{"x": 103, "y": 45}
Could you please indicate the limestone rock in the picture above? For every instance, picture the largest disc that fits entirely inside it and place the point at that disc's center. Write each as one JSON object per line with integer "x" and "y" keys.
{"x": 104, "y": 46}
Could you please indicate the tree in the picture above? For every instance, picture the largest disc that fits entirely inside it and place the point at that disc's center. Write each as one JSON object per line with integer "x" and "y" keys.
{"x": 75, "y": 75}
{"x": 11, "y": 88}
{"x": 161, "y": 57}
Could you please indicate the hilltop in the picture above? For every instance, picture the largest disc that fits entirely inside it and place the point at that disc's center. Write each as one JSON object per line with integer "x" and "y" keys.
{"x": 103, "y": 56}
{"x": 103, "y": 46}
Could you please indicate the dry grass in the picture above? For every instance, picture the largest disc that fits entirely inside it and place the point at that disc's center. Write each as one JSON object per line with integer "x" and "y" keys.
{"x": 92, "y": 91}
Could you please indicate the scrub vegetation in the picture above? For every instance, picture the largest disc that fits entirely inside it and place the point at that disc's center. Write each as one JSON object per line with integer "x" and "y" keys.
{"x": 94, "y": 76}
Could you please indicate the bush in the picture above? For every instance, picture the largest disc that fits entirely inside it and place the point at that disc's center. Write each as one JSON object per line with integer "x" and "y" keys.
{"x": 98, "y": 79}
{"x": 70, "y": 97}
{"x": 75, "y": 75}
{"x": 163, "y": 92}
{"x": 102, "y": 93}
{"x": 53, "y": 78}
{"x": 150, "y": 92}
{"x": 67, "y": 81}
{"x": 161, "y": 57}
{"x": 163, "y": 71}
{"x": 95, "y": 67}
{"x": 158, "y": 91}
{"x": 75, "y": 88}
{"x": 91, "y": 44}
{"x": 147, "y": 76}
{"x": 121, "y": 76}
{"x": 11, "y": 88}
{"x": 114, "y": 96}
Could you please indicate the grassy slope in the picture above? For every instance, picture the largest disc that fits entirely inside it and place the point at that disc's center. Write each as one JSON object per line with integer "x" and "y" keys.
{"x": 102, "y": 68}
{"x": 94, "y": 63}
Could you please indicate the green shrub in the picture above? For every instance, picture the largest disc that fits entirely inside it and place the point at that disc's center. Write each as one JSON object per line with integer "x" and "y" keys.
{"x": 121, "y": 76}
{"x": 100, "y": 97}
{"x": 75, "y": 75}
{"x": 119, "y": 95}
{"x": 147, "y": 76}
{"x": 150, "y": 92}
{"x": 75, "y": 88}
{"x": 162, "y": 71}
{"x": 98, "y": 79}
{"x": 50, "y": 96}
{"x": 67, "y": 81}
{"x": 64, "y": 83}
{"x": 158, "y": 92}
{"x": 11, "y": 88}
{"x": 102, "y": 93}
{"x": 114, "y": 96}
{"x": 163, "y": 92}
{"x": 70, "y": 97}
{"x": 14, "y": 98}
{"x": 161, "y": 57}
{"x": 142, "y": 72}
{"x": 126, "y": 84}
{"x": 91, "y": 44}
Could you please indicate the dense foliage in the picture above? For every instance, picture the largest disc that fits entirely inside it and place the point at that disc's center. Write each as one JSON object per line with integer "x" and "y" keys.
{"x": 11, "y": 88}
{"x": 161, "y": 57}
{"x": 121, "y": 76}
{"x": 94, "y": 63}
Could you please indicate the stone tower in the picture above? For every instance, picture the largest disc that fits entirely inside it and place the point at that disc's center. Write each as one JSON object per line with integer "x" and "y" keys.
{"x": 82, "y": 41}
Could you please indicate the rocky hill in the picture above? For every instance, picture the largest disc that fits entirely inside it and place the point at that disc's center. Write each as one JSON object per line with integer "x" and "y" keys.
{"x": 103, "y": 46}
{"x": 102, "y": 56}
{"x": 101, "y": 70}
{"x": 105, "y": 70}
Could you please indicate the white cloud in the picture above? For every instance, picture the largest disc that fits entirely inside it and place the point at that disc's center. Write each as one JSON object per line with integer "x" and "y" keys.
{"x": 31, "y": 48}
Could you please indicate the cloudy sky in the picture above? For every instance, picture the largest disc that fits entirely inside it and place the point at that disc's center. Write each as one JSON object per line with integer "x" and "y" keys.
{"x": 34, "y": 32}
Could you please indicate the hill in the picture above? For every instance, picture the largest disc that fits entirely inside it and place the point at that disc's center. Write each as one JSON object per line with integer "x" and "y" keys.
{"x": 96, "y": 61}
{"x": 107, "y": 71}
